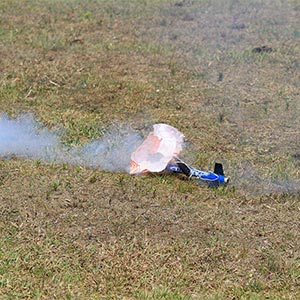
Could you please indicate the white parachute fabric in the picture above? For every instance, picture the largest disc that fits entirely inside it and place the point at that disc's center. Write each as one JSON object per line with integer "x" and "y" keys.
{"x": 154, "y": 154}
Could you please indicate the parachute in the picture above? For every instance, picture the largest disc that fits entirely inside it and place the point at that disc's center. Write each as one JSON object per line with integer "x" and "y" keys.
{"x": 159, "y": 148}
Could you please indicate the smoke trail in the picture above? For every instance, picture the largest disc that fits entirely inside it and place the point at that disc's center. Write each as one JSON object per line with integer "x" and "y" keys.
{"x": 247, "y": 179}
{"x": 24, "y": 137}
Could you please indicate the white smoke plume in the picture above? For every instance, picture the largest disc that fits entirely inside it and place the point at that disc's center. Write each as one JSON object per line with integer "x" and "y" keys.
{"x": 25, "y": 137}
{"x": 251, "y": 182}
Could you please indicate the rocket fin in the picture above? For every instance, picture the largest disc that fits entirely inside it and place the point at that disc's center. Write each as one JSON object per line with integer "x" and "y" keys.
{"x": 219, "y": 169}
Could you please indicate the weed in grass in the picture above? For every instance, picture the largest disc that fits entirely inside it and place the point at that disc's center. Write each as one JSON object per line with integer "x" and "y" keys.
{"x": 221, "y": 117}
{"x": 162, "y": 293}
{"x": 173, "y": 68}
{"x": 255, "y": 285}
{"x": 54, "y": 186}
{"x": 220, "y": 76}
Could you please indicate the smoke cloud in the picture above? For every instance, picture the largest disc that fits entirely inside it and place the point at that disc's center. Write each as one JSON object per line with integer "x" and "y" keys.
{"x": 25, "y": 137}
{"x": 253, "y": 183}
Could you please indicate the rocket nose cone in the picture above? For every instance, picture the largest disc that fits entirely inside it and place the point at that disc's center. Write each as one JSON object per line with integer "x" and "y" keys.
{"x": 226, "y": 180}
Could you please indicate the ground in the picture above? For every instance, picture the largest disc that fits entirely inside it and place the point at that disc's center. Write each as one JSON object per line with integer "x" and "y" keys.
{"x": 226, "y": 74}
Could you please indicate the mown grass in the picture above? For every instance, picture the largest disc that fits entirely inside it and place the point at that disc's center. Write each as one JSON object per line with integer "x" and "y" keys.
{"x": 69, "y": 232}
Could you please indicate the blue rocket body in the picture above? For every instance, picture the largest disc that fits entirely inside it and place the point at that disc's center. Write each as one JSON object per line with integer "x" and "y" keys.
{"x": 212, "y": 179}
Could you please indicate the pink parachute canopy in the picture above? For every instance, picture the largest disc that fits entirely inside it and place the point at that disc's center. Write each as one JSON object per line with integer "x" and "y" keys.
{"x": 154, "y": 154}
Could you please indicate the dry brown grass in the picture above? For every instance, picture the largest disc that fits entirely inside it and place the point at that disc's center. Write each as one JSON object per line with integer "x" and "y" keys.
{"x": 69, "y": 232}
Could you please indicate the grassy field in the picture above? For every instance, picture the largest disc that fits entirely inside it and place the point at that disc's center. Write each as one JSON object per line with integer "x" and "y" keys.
{"x": 71, "y": 232}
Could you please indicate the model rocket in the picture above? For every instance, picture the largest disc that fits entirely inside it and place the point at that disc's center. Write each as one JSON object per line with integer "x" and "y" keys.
{"x": 212, "y": 179}
{"x": 159, "y": 152}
